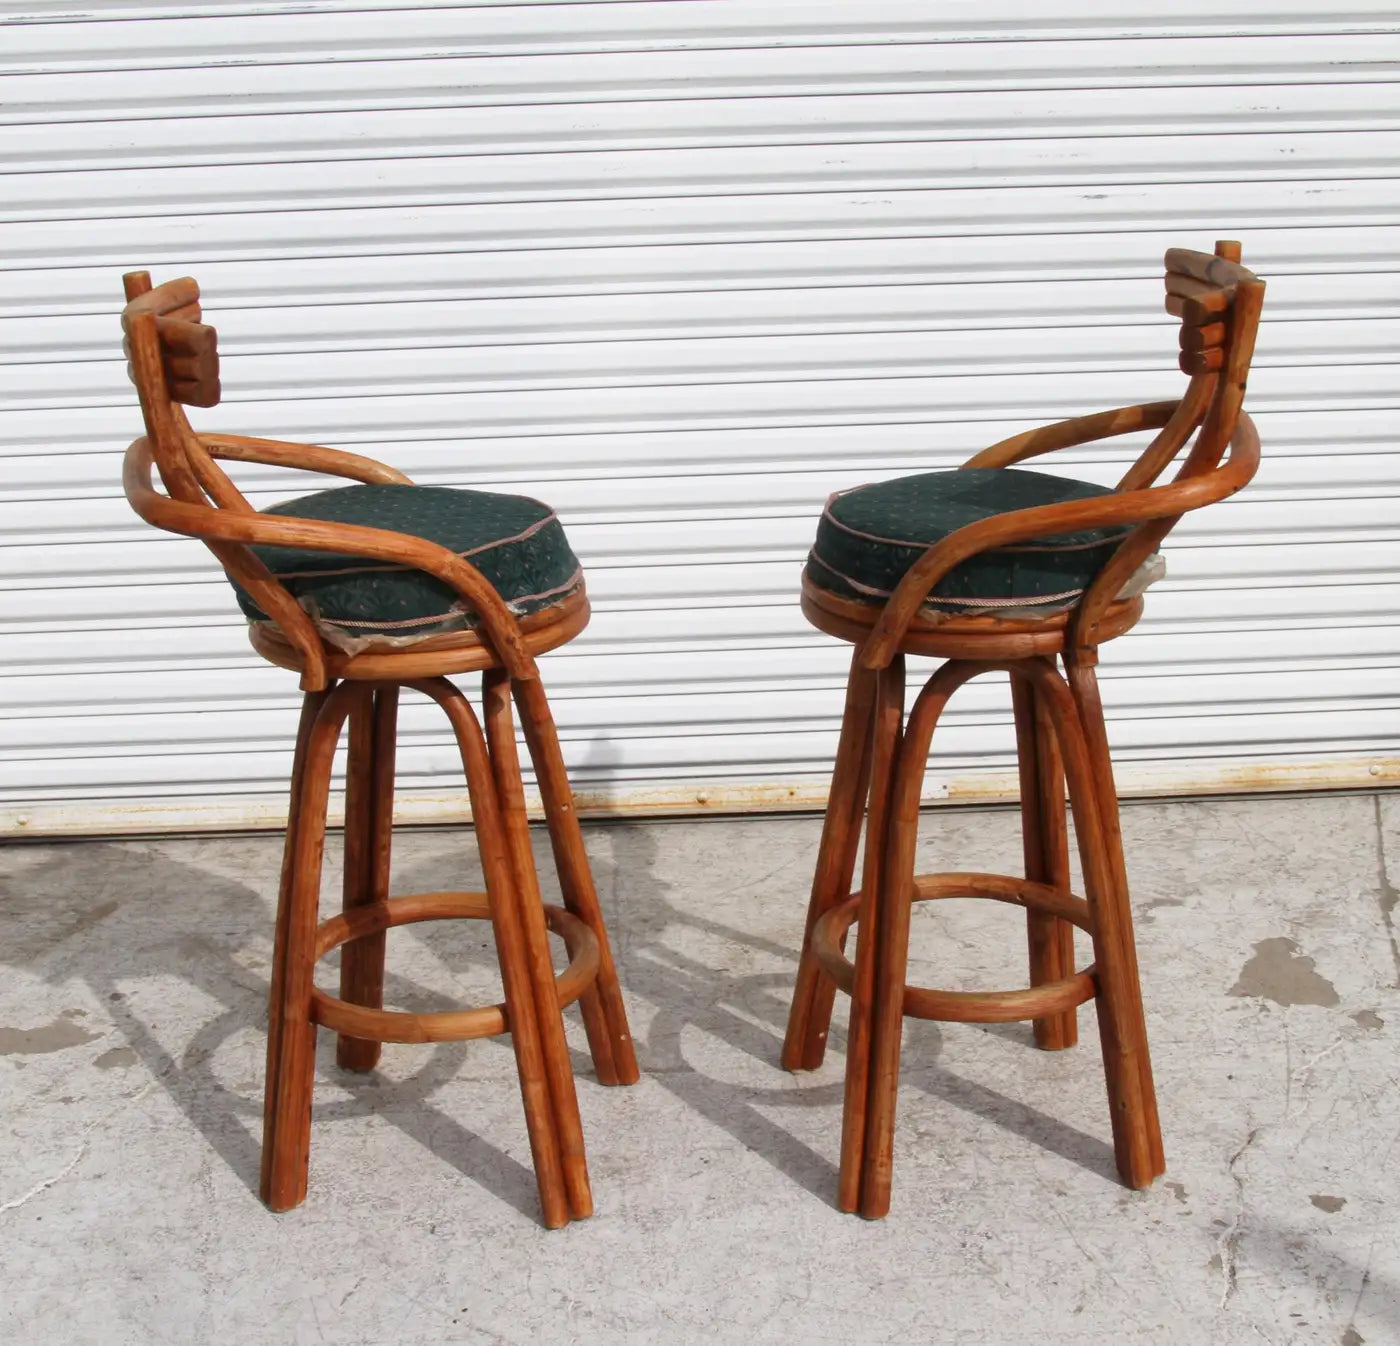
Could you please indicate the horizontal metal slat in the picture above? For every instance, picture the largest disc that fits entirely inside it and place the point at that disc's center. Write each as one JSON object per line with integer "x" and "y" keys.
{"x": 855, "y": 356}
{"x": 44, "y": 548}
{"x": 750, "y": 500}
{"x": 495, "y": 31}
{"x": 772, "y": 756}
{"x": 1306, "y": 439}
{"x": 694, "y": 406}
{"x": 1008, "y": 163}
{"x": 1026, "y": 210}
{"x": 628, "y": 662}
{"x": 676, "y": 122}
{"x": 1351, "y": 312}
{"x": 968, "y": 18}
{"x": 234, "y": 732}
{"x": 1105, "y": 256}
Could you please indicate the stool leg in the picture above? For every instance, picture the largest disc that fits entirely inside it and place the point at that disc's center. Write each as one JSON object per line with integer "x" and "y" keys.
{"x": 1045, "y": 840}
{"x": 809, "y": 1018}
{"x": 1118, "y": 1001}
{"x": 604, "y": 1014}
{"x": 893, "y": 907}
{"x": 1084, "y": 686}
{"x": 500, "y": 735}
{"x": 291, "y": 1045}
{"x": 369, "y": 818}
{"x": 521, "y": 1017}
{"x": 888, "y": 714}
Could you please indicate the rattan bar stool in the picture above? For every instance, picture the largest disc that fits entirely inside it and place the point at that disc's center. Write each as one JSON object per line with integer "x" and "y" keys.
{"x": 364, "y": 591}
{"x": 991, "y": 567}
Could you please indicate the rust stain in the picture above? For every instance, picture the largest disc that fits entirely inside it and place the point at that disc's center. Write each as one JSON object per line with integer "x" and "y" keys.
{"x": 700, "y": 798}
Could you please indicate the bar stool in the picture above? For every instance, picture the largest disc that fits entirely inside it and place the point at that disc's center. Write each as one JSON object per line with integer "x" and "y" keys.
{"x": 364, "y": 591}
{"x": 991, "y": 567}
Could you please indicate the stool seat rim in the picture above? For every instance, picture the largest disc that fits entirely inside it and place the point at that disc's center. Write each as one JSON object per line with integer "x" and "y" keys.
{"x": 961, "y": 635}
{"x": 435, "y": 656}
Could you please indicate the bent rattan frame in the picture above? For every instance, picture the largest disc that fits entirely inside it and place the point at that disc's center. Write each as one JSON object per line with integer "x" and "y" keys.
{"x": 173, "y": 361}
{"x": 1062, "y": 743}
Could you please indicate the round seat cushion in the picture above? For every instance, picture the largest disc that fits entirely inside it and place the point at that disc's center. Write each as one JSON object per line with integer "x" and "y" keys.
{"x": 517, "y": 543}
{"x": 870, "y": 536}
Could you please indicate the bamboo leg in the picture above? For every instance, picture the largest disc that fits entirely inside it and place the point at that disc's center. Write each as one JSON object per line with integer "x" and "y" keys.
{"x": 898, "y": 842}
{"x": 809, "y": 1018}
{"x": 500, "y": 734}
{"x": 369, "y": 813}
{"x": 521, "y": 1016}
{"x": 888, "y": 715}
{"x": 310, "y": 707}
{"x": 292, "y": 1036}
{"x": 1117, "y": 1002}
{"x": 604, "y": 1014}
{"x": 1084, "y": 686}
{"x": 893, "y": 912}
{"x": 1045, "y": 840}
{"x": 1055, "y": 844}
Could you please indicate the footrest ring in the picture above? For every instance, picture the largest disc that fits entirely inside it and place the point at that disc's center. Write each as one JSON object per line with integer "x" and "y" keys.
{"x": 969, "y": 1006}
{"x": 379, "y": 1025}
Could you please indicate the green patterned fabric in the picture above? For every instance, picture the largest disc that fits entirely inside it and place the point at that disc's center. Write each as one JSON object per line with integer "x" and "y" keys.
{"x": 517, "y": 543}
{"x": 870, "y": 536}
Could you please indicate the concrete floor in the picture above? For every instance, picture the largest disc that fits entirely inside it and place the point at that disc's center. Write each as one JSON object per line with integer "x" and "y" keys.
{"x": 131, "y": 1051}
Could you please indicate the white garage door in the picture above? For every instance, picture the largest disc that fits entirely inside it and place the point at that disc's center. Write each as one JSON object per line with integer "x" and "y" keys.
{"x": 683, "y": 269}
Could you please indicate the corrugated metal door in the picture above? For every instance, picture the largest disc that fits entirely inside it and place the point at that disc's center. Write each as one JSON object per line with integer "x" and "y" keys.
{"x": 683, "y": 269}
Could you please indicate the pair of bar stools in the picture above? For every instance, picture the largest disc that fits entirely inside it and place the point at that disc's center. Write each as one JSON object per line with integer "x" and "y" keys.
{"x": 374, "y": 587}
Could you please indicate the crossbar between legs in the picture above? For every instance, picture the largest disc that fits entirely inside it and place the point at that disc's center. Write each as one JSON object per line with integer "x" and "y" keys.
{"x": 1053, "y": 997}
{"x": 380, "y": 1025}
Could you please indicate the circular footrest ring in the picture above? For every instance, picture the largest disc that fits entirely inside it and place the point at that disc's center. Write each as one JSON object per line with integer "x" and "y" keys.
{"x": 969, "y": 1006}
{"x": 379, "y": 1025}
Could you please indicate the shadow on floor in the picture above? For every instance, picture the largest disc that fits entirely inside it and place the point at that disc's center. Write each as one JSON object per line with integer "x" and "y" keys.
{"x": 205, "y": 919}
{"x": 749, "y": 1014}
{"x": 208, "y": 918}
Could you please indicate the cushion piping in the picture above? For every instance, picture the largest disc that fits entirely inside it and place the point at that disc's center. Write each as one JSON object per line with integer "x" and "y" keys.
{"x": 1035, "y": 546}
{"x": 933, "y": 600}
{"x": 391, "y": 567}
{"x": 457, "y": 611}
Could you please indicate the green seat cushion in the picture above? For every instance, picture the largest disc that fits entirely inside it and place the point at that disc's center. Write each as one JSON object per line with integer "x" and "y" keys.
{"x": 517, "y": 543}
{"x": 870, "y": 536}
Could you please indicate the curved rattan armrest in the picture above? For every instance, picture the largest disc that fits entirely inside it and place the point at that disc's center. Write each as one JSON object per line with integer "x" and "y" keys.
{"x": 309, "y": 457}
{"x": 499, "y": 625}
{"x": 1079, "y": 430}
{"x": 1025, "y": 525}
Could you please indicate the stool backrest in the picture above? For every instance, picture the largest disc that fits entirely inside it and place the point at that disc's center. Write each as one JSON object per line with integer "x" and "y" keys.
{"x": 173, "y": 359}
{"x": 1219, "y": 303}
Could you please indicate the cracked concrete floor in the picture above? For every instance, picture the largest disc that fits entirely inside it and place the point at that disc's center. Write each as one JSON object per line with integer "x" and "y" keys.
{"x": 131, "y": 1052}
